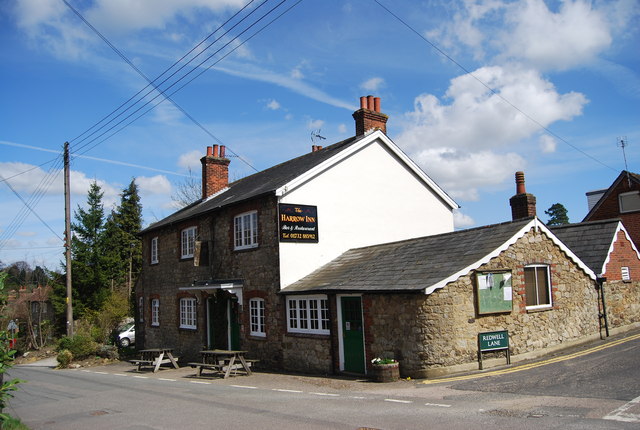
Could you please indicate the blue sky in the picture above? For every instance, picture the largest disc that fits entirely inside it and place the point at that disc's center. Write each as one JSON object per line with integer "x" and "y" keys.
{"x": 475, "y": 91}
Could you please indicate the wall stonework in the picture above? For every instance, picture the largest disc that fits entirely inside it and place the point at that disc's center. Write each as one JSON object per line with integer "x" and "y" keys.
{"x": 440, "y": 330}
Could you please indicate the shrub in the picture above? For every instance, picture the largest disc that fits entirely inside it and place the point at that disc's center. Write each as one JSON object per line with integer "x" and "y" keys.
{"x": 64, "y": 358}
{"x": 79, "y": 345}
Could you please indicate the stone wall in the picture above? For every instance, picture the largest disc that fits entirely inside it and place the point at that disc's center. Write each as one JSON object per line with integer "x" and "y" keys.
{"x": 622, "y": 300}
{"x": 440, "y": 330}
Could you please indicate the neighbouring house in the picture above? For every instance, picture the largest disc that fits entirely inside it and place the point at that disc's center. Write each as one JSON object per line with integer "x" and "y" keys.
{"x": 213, "y": 272}
{"x": 620, "y": 200}
{"x": 424, "y": 301}
{"x": 32, "y": 312}
{"x": 606, "y": 247}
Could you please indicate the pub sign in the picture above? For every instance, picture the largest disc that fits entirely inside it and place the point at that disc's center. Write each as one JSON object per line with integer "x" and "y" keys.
{"x": 298, "y": 223}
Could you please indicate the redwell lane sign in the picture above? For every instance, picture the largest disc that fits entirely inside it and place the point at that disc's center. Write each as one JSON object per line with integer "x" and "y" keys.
{"x": 493, "y": 341}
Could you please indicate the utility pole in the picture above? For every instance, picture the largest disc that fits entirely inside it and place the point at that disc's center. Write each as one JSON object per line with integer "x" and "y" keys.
{"x": 67, "y": 236}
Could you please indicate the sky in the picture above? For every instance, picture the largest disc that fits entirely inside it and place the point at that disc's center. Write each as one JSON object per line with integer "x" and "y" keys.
{"x": 475, "y": 90}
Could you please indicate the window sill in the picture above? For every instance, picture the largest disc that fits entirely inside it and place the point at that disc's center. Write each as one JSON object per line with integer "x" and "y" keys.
{"x": 246, "y": 248}
{"x": 188, "y": 328}
{"x": 539, "y": 309}
{"x": 309, "y": 335}
{"x": 258, "y": 336}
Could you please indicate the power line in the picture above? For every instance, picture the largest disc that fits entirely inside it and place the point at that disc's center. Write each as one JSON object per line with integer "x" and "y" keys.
{"x": 494, "y": 92}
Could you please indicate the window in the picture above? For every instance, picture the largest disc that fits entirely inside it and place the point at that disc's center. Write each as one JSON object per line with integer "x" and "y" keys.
{"x": 154, "y": 250}
{"x": 629, "y": 202}
{"x": 155, "y": 312}
{"x": 256, "y": 317}
{"x": 141, "y": 309}
{"x": 537, "y": 286}
{"x": 188, "y": 313}
{"x": 308, "y": 314}
{"x": 188, "y": 242}
{"x": 245, "y": 230}
{"x": 625, "y": 273}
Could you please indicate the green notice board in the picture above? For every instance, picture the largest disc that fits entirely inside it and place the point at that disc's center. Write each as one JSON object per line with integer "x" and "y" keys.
{"x": 494, "y": 292}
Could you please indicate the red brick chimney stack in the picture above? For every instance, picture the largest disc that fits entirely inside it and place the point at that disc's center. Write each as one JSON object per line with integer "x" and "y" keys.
{"x": 369, "y": 116}
{"x": 215, "y": 171}
{"x": 523, "y": 204}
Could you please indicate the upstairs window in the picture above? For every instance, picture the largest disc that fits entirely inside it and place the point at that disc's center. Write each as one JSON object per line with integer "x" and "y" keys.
{"x": 256, "y": 315}
{"x": 154, "y": 250}
{"x": 245, "y": 230}
{"x": 188, "y": 242}
{"x": 155, "y": 312}
{"x": 188, "y": 313}
{"x": 537, "y": 286}
{"x": 629, "y": 202}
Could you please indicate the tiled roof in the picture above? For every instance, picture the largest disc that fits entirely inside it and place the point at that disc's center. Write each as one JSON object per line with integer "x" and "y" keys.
{"x": 590, "y": 241}
{"x": 409, "y": 265}
{"x": 261, "y": 183}
{"x": 633, "y": 177}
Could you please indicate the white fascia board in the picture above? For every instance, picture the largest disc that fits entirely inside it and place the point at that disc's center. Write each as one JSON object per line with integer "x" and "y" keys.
{"x": 367, "y": 140}
{"x": 534, "y": 223}
{"x": 620, "y": 227}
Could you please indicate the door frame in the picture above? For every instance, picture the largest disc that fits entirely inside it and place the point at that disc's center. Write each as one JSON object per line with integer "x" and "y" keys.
{"x": 340, "y": 334}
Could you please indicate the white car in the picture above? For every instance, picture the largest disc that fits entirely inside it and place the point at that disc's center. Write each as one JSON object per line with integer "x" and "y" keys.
{"x": 127, "y": 336}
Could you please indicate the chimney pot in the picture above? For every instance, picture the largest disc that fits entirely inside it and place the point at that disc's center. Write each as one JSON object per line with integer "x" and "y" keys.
{"x": 363, "y": 102}
{"x": 222, "y": 151}
{"x": 215, "y": 151}
{"x": 520, "y": 188}
{"x": 376, "y": 104}
{"x": 523, "y": 204}
{"x": 370, "y": 103}
{"x": 209, "y": 151}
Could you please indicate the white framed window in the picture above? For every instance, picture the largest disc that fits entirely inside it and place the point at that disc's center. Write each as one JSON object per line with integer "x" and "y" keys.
{"x": 188, "y": 312}
{"x": 155, "y": 312}
{"x": 188, "y": 241}
{"x": 154, "y": 250}
{"x": 308, "y": 314}
{"x": 537, "y": 283}
{"x": 141, "y": 309}
{"x": 256, "y": 317}
{"x": 245, "y": 230}
{"x": 629, "y": 202}
{"x": 625, "y": 273}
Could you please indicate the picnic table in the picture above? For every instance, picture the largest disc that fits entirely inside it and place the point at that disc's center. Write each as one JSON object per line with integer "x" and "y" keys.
{"x": 154, "y": 357}
{"x": 225, "y": 361}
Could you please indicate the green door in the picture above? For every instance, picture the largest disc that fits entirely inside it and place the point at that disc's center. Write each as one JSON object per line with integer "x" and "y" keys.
{"x": 352, "y": 334}
{"x": 234, "y": 324}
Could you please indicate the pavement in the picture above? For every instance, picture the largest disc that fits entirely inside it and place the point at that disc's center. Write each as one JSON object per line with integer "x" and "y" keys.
{"x": 336, "y": 383}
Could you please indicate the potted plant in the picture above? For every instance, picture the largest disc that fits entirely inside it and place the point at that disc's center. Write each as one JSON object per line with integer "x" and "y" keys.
{"x": 385, "y": 369}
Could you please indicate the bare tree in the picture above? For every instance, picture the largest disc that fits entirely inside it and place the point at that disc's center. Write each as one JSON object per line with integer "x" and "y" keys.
{"x": 188, "y": 191}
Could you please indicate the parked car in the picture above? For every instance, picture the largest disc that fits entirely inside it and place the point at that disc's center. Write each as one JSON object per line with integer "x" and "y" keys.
{"x": 127, "y": 336}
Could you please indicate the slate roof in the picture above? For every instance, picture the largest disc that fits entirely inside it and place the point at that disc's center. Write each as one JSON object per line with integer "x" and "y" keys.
{"x": 409, "y": 265}
{"x": 590, "y": 241}
{"x": 261, "y": 183}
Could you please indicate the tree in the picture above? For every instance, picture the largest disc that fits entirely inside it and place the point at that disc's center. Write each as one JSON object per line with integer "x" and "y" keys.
{"x": 557, "y": 214}
{"x": 88, "y": 253}
{"x": 188, "y": 191}
{"x": 6, "y": 356}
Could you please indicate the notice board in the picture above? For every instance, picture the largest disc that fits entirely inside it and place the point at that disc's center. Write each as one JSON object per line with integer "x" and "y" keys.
{"x": 494, "y": 292}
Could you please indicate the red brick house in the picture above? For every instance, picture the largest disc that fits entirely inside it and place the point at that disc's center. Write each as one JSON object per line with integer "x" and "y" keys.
{"x": 621, "y": 200}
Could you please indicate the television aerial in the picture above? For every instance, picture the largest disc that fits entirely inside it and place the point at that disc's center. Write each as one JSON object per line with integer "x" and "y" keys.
{"x": 315, "y": 136}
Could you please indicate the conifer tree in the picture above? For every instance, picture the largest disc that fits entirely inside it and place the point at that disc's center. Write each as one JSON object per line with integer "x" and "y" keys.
{"x": 557, "y": 214}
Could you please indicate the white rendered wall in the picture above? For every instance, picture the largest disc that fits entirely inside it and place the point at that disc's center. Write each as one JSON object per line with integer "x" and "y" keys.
{"x": 369, "y": 198}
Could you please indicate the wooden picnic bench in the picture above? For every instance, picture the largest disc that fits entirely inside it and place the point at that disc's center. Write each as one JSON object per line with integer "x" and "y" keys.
{"x": 223, "y": 361}
{"x": 155, "y": 357}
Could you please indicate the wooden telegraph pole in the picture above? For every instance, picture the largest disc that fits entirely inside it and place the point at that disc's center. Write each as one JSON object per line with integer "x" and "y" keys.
{"x": 67, "y": 237}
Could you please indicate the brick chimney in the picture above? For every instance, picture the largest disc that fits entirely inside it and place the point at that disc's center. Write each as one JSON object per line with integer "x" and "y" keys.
{"x": 369, "y": 116}
{"x": 523, "y": 204}
{"x": 215, "y": 171}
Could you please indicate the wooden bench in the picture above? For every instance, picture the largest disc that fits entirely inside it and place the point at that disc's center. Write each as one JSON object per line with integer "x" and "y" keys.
{"x": 208, "y": 366}
{"x": 150, "y": 363}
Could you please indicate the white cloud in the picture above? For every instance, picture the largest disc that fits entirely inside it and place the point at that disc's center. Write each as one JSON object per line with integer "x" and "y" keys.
{"x": 373, "y": 84}
{"x": 27, "y": 233}
{"x": 297, "y": 73}
{"x": 190, "y": 160}
{"x": 461, "y": 220}
{"x": 273, "y": 105}
{"x": 547, "y": 144}
{"x": 315, "y": 124}
{"x": 158, "y": 184}
{"x": 342, "y": 128}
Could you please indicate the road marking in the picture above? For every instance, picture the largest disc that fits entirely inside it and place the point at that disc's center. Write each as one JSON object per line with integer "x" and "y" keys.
{"x": 533, "y": 365}
{"x": 286, "y": 391}
{"x": 141, "y": 377}
{"x": 244, "y": 386}
{"x": 357, "y": 397}
{"x": 101, "y": 373}
{"x": 326, "y": 394}
{"x": 200, "y": 382}
{"x": 167, "y": 379}
{"x": 397, "y": 401}
{"x": 119, "y": 374}
{"x": 620, "y": 415}
{"x": 440, "y": 405}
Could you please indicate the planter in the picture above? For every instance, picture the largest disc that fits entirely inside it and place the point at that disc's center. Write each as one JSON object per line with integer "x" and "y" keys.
{"x": 386, "y": 372}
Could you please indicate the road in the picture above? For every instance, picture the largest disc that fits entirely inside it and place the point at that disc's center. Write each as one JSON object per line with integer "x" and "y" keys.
{"x": 595, "y": 390}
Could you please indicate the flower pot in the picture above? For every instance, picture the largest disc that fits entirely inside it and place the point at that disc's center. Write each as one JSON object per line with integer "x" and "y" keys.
{"x": 386, "y": 372}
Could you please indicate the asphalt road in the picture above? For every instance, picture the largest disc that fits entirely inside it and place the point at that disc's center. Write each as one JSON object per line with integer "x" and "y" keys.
{"x": 597, "y": 390}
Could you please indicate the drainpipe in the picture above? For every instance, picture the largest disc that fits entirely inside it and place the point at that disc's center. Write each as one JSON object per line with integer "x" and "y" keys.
{"x": 601, "y": 280}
